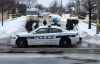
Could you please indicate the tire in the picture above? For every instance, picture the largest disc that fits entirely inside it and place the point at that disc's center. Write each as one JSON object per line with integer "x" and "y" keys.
{"x": 21, "y": 43}
{"x": 65, "y": 43}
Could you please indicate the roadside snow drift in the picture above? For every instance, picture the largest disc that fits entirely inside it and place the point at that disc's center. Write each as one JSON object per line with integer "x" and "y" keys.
{"x": 15, "y": 25}
{"x": 12, "y": 26}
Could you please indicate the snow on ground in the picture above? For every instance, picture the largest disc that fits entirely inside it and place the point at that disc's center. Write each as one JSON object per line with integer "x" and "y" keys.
{"x": 90, "y": 38}
{"x": 15, "y": 25}
{"x": 83, "y": 28}
{"x": 11, "y": 26}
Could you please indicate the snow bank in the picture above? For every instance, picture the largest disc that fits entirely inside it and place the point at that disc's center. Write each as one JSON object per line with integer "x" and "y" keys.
{"x": 89, "y": 35}
{"x": 83, "y": 29}
{"x": 12, "y": 26}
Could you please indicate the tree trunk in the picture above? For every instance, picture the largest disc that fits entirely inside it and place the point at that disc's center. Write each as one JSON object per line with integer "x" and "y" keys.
{"x": 98, "y": 15}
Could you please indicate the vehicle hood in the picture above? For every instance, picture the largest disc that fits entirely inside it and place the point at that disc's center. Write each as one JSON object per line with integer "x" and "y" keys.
{"x": 22, "y": 34}
{"x": 71, "y": 32}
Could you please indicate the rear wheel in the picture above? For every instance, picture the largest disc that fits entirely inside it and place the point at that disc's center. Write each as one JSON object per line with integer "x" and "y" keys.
{"x": 65, "y": 43}
{"x": 21, "y": 43}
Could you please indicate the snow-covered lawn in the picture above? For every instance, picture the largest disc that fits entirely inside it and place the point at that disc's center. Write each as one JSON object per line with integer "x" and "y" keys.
{"x": 11, "y": 26}
{"x": 90, "y": 38}
{"x": 83, "y": 28}
{"x": 15, "y": 25}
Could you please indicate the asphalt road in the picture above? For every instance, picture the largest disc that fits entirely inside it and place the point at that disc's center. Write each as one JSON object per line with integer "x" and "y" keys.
{"x": 45, "y": 59}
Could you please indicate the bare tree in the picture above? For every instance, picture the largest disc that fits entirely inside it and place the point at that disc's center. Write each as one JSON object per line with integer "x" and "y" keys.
{"x": 21, "y": 9}
{"x": 54, "y": 7}
{"x": 7, "y": 4}
{"x": 88, "y": 6}
{"x": 39, "y": 6}
{"x": 69, "y": 6}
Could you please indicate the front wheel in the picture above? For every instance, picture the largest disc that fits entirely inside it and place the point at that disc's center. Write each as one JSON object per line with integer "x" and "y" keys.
{"x": 65, "y": 43}
{"x": 21, "y": 43}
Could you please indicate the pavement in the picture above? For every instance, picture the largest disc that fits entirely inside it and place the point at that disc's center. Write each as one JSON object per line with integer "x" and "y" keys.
{"x": 65, "y": 56}
{"x": 32, "y": 58}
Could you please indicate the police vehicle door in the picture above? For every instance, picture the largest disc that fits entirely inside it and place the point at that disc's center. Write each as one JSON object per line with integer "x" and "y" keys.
{"x": 54, "y": 32}
{"x": 47, "y": 36}
{"x": 41, "y": 36}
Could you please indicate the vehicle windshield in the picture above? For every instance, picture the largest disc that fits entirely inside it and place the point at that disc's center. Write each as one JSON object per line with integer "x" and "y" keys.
{"x": 42, "y": 30}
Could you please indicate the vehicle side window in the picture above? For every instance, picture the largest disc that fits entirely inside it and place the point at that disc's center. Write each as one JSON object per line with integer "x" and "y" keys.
{"x": 42, "y": 30}
{"x": 54, "y": 30}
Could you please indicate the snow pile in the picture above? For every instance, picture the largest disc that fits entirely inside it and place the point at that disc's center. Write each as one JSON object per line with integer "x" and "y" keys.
{"x": 90, "y": 38}
{"x": 15, "y": 25}
{"x": 84, "y": 31}
{"x": 12, "y": 26}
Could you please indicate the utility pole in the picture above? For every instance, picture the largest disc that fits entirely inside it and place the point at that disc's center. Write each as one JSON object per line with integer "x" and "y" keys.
{"x": 29, "y": 4}
{"x": 90, "y": 12}
{"x": 78, "y": 7}
{"x": 2, "y": 15}
{"x": 61, "y": 8}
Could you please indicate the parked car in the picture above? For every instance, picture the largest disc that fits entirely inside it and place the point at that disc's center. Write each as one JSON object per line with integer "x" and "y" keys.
{"x": 47, "y": 35}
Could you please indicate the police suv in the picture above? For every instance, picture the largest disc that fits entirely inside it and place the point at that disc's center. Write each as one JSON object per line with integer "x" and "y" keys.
{"x": 47, "y": 35}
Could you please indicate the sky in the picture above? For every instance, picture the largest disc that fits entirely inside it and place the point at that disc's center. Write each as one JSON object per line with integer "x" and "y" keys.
{"x": 48, "y": 2}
